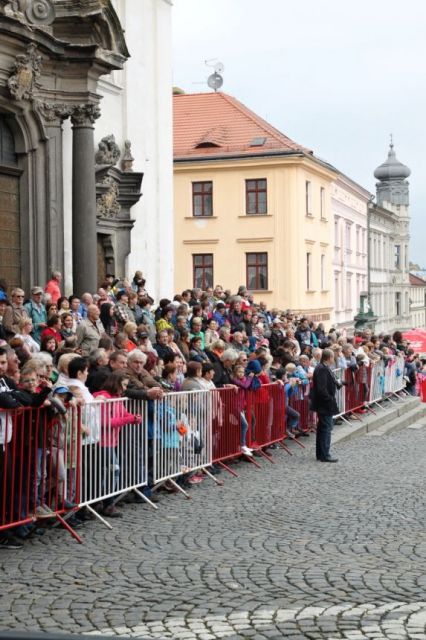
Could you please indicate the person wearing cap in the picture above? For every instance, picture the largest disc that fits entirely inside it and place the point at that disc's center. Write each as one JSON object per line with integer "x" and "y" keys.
{"x": 14, "y": 313}
{"x": 53, "y": 287}
{"x": 37, "y": 312}
{"x": 122, "y": 311}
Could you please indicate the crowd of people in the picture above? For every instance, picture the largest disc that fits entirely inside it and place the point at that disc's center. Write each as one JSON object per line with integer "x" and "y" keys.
{"x": 118, "y": 342}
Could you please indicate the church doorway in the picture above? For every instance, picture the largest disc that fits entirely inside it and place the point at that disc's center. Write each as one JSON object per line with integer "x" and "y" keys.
{"x": 10, "y": 238}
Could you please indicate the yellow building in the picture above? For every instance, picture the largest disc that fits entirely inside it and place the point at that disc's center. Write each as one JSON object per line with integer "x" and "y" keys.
{"x": 252, "y": 207}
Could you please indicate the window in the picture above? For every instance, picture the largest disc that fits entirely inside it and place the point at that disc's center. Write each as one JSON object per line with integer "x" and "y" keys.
{"x": 348, "y": 237}
{"x": 358, "y": 246}
{"x": 348, "y": 302}
{"x": 337, "y": 290}
{"x": 308, "y": 196}
{"x": 322, "y": 203}
{"x": 202, "y": 270}
{"x": 397, "y": 257}
{"x": 202, "y": 199}
{"x": 398, "y": 303}
{"x": 323, "y": 287}
{"x": 336, "y": 234}
{"x": 308, "y": 271}
{"x": 257, "y": 271}
{"x": 256, "y": 199}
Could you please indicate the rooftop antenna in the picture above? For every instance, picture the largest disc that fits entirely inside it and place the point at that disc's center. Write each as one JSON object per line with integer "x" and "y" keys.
{"x": 391, "y": 140}
{"x": 215, "y": 80}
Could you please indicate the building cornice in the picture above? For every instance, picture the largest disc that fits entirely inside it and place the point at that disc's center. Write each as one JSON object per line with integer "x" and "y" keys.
{"x": 244, "y": 240}
{"x": 201, "y": 241}
{"x": 272, "y": 159}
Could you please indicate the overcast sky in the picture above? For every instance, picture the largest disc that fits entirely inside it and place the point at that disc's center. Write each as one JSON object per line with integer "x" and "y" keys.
{"x": 336, "y": 76}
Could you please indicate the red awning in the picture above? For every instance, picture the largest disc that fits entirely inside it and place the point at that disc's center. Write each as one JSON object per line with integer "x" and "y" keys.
{"x": 417, "y": 340}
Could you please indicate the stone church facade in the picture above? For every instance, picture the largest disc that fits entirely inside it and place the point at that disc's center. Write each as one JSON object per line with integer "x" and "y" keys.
{"x": 70, "y": 196}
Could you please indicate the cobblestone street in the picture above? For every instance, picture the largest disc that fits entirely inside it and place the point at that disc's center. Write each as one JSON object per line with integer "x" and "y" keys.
{"x": 298, "y": 549}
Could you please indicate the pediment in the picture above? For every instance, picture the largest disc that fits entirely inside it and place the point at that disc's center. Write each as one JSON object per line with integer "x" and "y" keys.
{"x": 89, "y": 22}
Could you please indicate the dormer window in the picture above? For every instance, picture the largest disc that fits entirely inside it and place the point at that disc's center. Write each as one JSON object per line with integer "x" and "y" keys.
{"x": 206, "y": 144}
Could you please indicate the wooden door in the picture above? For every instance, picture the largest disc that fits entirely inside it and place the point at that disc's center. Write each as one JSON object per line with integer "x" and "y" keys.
{"x": 10, "y": 231}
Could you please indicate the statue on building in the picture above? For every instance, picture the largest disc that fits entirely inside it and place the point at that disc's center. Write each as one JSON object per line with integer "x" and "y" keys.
{"x": 127, "y": 160}
{"x": 108, "y": 152}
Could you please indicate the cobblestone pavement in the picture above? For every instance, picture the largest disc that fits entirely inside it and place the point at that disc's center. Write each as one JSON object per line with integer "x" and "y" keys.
{"x": 298, "y": 549}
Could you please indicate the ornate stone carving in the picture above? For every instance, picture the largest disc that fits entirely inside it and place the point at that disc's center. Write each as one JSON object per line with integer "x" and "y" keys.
{"x": 108, "y": 151}
{"x": 107, "y": 205}
{"x": 39, "y": 13}
{"x": 127, "y": 160}
{"x": 84, "y": 115}
{"x": 24, "y": 75}
{"x": 54, "y": 113}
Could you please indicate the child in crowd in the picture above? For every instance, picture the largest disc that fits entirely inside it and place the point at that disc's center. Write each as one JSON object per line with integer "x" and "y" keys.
{"x": 245, "y": 379}
{"x": 114, "y": 416}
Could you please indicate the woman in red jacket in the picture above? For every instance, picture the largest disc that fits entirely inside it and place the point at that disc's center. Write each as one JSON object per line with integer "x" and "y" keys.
{"x": 53, "y": 329}
{"x": 114, "y": 416}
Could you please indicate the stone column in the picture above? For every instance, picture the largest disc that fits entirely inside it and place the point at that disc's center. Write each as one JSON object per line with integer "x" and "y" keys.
{"x": 53, "y": 115}
{"x": 84, "y": 241}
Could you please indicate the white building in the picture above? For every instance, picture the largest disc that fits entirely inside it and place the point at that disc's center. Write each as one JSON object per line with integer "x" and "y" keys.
{"x": 136, "y": 105}
{"x": 417, "y": 301}
{"x": 389, "y": 219}
{"x": 349, "y": 204}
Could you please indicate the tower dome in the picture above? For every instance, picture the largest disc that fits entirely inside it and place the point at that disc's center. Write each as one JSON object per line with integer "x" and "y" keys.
{"x": 392, "y": 168}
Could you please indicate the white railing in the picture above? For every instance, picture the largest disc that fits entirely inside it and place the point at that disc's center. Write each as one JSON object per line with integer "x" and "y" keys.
{"x": 182, "y": 435}
{"x": 114, "y": 450}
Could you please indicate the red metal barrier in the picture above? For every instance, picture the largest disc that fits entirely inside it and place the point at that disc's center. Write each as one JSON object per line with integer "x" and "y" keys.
{"x": 39, "y": 465}
{"x": 264, "y": 412}
{"x": 227, "y": 405}
{"x": 421, "y": 381}
{"x": 266, "y": 417}
{"x": 357, "y": 389}
{"x": 299, "y": 401}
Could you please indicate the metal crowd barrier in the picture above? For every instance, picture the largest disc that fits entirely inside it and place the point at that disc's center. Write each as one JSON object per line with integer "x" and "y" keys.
{"x": 266, "y": 417}
{"x": 182, "y": 436}
{"x": 299, "y": 401}
{"x": 259, "y": 414}
{"x": 227, "y": 406}
{"x": 114, "y": 451}
{"x": 39, "y": 465}
{"x": 394, "y": 376}
{"x": 103, "y": 450}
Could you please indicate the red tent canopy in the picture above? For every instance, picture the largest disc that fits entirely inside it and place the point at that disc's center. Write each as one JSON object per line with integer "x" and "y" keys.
{"x": 417, "y": 339}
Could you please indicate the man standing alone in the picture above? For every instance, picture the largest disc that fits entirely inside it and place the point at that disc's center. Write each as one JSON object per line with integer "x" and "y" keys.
{"x": 323, "y": 401}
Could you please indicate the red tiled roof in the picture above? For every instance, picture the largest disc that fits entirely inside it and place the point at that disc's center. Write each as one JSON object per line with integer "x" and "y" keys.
{"x": 223, "y": 126}
{"x": 417, "y": 281}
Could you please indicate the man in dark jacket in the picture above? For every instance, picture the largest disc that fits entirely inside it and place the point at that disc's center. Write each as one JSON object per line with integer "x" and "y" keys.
{"x": 96, "y": 379}
{"x": 323, "y": 401}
